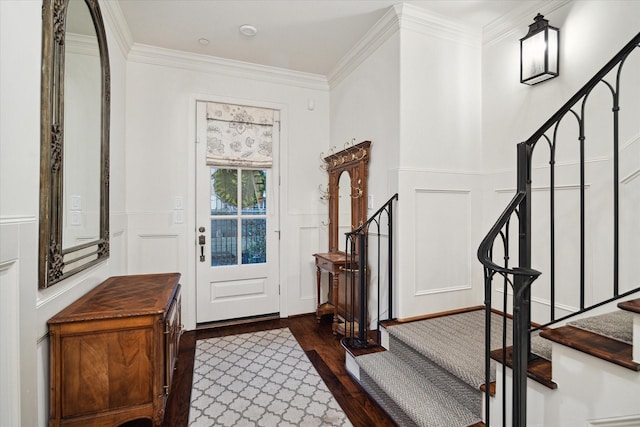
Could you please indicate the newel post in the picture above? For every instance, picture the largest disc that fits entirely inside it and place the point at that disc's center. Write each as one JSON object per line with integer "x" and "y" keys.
{"x": 522, "y": 291}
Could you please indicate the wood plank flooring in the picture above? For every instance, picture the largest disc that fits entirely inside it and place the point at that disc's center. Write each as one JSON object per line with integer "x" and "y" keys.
{"x": 323, "y": 349}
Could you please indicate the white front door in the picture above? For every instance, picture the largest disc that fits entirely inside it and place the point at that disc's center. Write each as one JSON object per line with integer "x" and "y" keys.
{"x": 237, "y": 233}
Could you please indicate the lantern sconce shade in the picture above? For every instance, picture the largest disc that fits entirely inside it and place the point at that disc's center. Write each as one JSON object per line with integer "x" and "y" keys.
{"x": 539, "y": 53}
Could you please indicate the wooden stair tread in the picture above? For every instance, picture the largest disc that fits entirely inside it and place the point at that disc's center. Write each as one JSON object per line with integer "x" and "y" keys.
{"x": 632, "y": 305}
{"x": 492, "y": 388}
{"x": 539, "y": 369}
{"x": 372, "y": 348}
{"x": 594, "y": 344}
{"x": 394, "y": 322}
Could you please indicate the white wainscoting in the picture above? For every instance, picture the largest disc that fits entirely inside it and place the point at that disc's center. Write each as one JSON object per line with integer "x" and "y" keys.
{"x": 18, "y": 284}
{"x": 157, "y": 252}
{"x": 442, "y": 240}
{"x": 9, "y": 340}
{"x": 118, "y": 243}
{"x": 155, "y": 244}
{"x": 629, "y": 214}
{"x": 438, "y": 227}
{"x": 598, "y": 231}
{"x": 309, "y": 243}
{"x": 304, "y": 235}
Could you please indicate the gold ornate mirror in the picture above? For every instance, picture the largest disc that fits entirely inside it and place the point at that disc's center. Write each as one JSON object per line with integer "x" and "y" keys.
{"x": 74, "y": 163}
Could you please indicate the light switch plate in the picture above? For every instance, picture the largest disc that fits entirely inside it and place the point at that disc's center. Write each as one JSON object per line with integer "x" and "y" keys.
{"x": 178, "y": 216}
{"x": 75, "y": 202}
{"x": 178, "y": 203}
{"x": 75, "y": 217}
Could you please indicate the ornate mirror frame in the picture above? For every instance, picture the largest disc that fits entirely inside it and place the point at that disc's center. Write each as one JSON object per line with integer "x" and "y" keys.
{"x": 56, "y": 263}
{"x": 353, "y": 160}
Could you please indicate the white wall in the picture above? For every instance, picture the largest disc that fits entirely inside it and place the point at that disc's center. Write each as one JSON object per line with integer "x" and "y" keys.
{"x": 439, "y": 175}
{"x": 365, "y": 107}
{"x": 428, "y": 138}
{"x": 25, "y": 309}
{"x": 162, "y": 89}
{"x": 591, "y": 33}
{"x": 416, "y": 95}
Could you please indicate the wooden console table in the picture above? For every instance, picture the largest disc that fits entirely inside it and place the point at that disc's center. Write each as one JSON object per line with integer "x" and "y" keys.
{"x": 112, "y": 352}
{"x": 335, "y": 264}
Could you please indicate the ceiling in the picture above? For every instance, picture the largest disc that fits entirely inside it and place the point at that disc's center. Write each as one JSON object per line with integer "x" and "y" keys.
{"x": 303, "y": 35}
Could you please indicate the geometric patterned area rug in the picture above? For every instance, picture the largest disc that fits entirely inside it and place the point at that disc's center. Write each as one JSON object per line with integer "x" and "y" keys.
{"x": 259, "y": 379}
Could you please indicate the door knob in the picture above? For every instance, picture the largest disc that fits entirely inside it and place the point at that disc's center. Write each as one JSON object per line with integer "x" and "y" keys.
{"x": 201, "y": 242}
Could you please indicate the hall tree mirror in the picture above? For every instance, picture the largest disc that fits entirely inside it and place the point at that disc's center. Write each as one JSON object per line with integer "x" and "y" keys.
{"x": 74, "y": 163}
{"x": 344, "y": 209}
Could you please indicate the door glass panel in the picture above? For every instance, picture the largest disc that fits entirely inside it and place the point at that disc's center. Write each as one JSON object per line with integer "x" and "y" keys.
{"x": 224, "y": 191}
{"x": 234, "y": 203}
{"x": 224, "y": 242}
{"x": 254, "y": 241}
{"x": 254, "y": 195}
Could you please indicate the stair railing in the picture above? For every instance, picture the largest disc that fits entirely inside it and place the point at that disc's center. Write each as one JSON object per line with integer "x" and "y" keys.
{"x": 358, "y": 272}
{"x": 518, "y": 211}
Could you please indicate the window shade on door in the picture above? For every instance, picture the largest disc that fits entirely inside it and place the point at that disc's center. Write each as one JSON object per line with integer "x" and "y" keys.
{"x": 239, "y": 136}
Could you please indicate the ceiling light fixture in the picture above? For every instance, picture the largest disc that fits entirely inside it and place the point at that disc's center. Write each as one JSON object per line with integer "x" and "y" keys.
{"x": 203, "y": 41}
{"x": 248, "y": 30}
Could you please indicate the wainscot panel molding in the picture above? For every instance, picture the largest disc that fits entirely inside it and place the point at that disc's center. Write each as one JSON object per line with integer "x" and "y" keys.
{"x": 157, "y": 252}
{"x": 308, "y": 244}
{"x": 118, "y": 243}
{"x": 156, "y": 245}
{"x": 442, "y": 208}
{"x": 443, "y": 222}
{"x": 630, "y": 151}
{"x": 630, "y": 177}
{"x": 413, "y": 170}
{"x": 227, "y": 67}
{"x": 630, "y": 230}
{"x": 9, "y": 339}
{"x": 631, "y": 142}
{"x": 616, "y": 422}
{"x": 300, "y": 239}
{"x": 540, "y": 306}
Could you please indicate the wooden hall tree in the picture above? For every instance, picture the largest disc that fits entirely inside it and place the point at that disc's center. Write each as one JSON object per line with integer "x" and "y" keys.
{"x": 353, "y": 160}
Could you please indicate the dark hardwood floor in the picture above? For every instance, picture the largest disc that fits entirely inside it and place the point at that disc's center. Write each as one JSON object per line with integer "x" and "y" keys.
{"x": 323, "y": 349}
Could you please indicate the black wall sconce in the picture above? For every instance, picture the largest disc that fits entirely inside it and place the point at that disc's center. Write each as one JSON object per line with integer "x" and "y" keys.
{"x": 539, "y": 53}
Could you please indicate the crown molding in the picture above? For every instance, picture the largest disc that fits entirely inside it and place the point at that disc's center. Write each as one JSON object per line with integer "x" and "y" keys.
{"x": 81, "y": 44}
{"x": 433, "y": 24}
{"x": 117, "y": 22}
{"x": 515, "y": 22}
{"x": 406, "y": 17}
{"x": 210, "y": 64}
{"x": 379, "y": 33}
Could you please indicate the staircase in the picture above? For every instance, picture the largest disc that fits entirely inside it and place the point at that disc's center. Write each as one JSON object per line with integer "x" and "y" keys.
{"x": 416, "y": 381}
{"x": 574, "y": 370}
{"x": 431, "y": 371}
{"x": 588, "y": 387}
{"x": 589, "y": 376}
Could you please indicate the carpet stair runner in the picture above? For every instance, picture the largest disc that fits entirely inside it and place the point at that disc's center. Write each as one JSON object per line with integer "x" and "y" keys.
{"x": 433, "y": 369}
{"x": 607, "y": 336}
